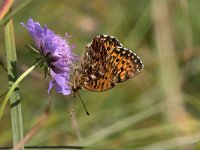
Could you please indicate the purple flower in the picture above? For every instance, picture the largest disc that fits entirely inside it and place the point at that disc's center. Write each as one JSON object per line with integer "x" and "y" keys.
{"x": 57, "y": 54}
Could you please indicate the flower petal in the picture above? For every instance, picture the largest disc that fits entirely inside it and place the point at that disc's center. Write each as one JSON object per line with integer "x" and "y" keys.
{"x": 56, "y": 53}
{"x": 60, "y": 83}
{"x": 51, "y": 84}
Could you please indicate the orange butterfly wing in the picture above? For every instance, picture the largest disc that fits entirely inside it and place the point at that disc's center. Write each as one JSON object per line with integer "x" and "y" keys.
{"x": 107, "y": 63}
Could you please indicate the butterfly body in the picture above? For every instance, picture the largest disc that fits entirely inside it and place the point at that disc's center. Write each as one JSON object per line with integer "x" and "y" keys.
{"x": 104, "y": 64}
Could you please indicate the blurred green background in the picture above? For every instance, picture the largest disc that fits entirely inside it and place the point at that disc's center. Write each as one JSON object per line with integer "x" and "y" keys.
{"x": 158, "y": 109}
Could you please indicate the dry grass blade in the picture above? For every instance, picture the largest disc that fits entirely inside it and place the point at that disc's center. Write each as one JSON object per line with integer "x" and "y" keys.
{"x": 38, "y": 125}
{"x": 5, "y": 8}
{"x": 169, "y": 77}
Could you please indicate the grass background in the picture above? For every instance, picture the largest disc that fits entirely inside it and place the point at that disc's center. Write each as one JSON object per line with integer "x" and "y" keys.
{"x": 158, "y": 109}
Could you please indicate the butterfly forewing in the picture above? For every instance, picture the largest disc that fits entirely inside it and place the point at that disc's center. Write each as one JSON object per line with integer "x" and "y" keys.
{"x": 106, "y": 63}
{"x": 93, "y": 61}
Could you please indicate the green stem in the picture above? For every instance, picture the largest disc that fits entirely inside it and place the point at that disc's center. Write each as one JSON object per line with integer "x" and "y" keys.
{"x": 11, "y": 54}
{"x": 5, "y": 101}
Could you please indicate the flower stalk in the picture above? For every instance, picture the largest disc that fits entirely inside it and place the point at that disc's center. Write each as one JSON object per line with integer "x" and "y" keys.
{"x": 5, "y": 101}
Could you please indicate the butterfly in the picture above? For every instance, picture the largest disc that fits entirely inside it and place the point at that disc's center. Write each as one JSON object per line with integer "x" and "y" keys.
{"x": 104, "y": 64}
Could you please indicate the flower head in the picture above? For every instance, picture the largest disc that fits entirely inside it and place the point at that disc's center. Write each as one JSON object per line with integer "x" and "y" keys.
{"x": 57, "y": 54}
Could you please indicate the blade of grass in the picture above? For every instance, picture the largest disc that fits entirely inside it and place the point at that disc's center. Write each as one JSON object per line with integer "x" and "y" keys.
{"x": 14, "y": 86}
{"x": 38, "y": 125}
{"x": 139, "y": 30}
{"x": 16, "y": 114}
{"x": 178, "y": 142}
{"x": 16, "y": 10}
{"x": 170, "y": 80}
{"x": 120, "y": 125}
{"x": 188, "y": 52}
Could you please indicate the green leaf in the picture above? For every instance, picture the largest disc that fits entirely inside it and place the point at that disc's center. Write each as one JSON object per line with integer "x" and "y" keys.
{"x": 16, "y": 114}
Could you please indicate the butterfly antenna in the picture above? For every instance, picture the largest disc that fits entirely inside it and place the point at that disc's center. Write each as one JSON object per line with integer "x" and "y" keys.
{"x": 83, "y": 104}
